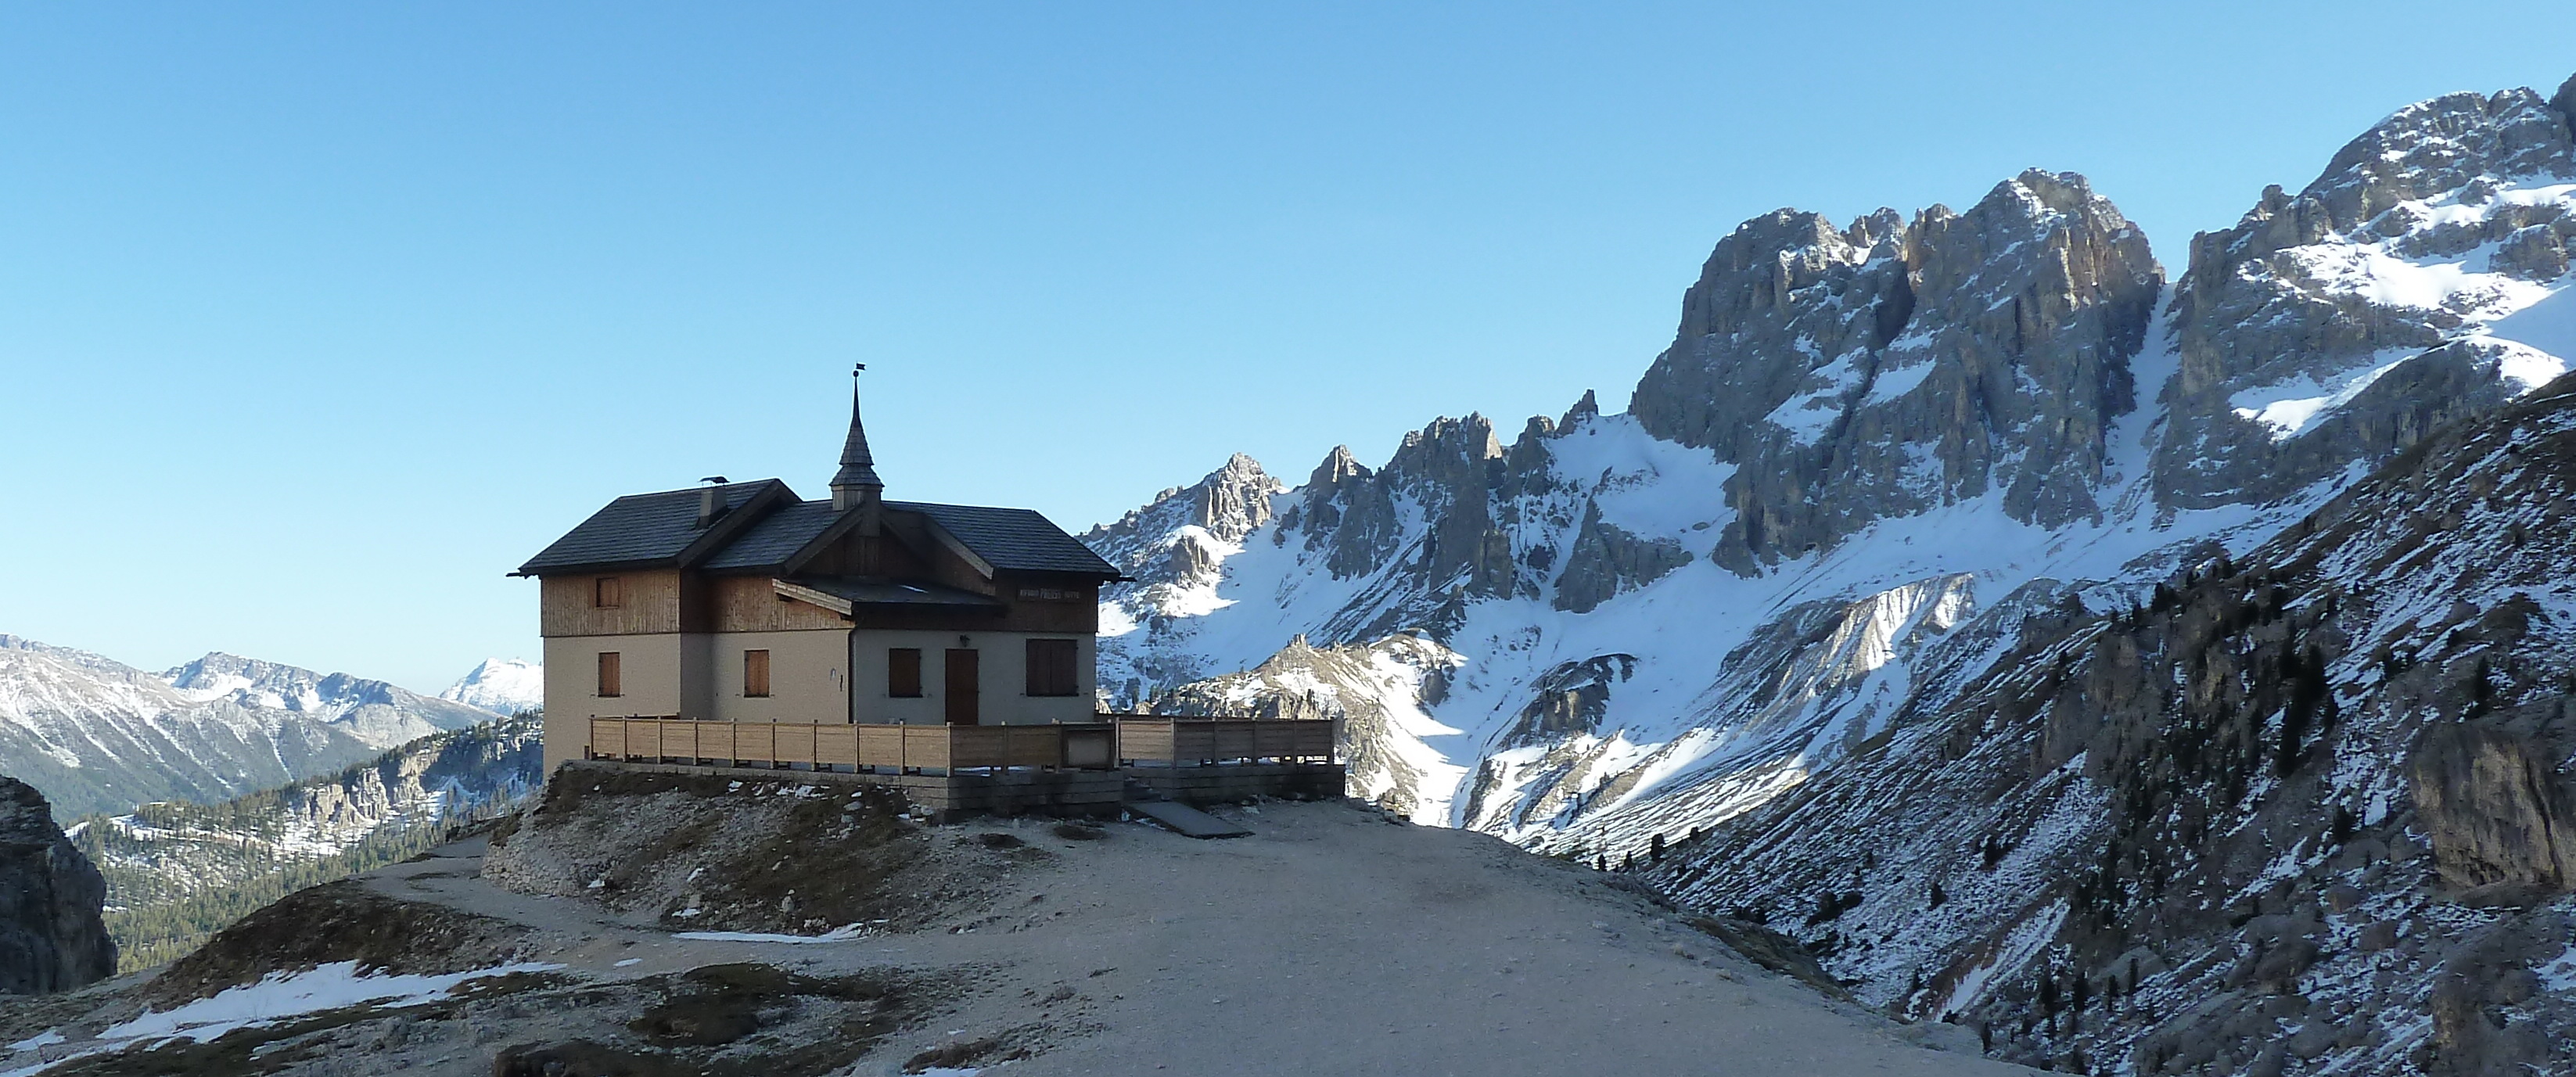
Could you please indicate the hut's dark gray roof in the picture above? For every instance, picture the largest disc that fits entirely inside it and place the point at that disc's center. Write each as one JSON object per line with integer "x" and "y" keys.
{"x": 1017, "y": 539}
{"x": 776, "y": 536}
{"x": 643, "y": 529}
{"x": 640, "y": 529}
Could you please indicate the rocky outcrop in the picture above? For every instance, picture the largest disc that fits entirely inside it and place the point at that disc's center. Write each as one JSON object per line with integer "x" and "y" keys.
{"x": 51, "y": 936}
{"x": 1570, "y": 699}
{"x": 1450, "y": 468}
{"x": 1887, "y": 368}
{"x": 1348, "y": 512}
{"x": 1607, "y": 561}
{"x": 2495, "y": 811}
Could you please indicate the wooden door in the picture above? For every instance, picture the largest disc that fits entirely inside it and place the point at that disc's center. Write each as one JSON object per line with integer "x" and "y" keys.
{"x": 964, "y": 686}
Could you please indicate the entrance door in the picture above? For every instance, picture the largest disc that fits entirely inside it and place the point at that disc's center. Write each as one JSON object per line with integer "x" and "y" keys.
{"x": 964, "y": 679}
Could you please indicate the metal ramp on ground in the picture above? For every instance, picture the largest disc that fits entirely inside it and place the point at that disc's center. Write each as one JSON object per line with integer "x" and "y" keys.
{"x": 1189, "y": 821}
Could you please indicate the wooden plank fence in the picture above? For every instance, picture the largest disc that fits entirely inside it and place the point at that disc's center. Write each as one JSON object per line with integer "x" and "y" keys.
{"x": 1096, "y": 745}
{"x": 1183, "y": 741}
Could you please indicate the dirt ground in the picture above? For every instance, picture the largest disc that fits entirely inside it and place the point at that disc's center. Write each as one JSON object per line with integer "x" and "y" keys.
{"x": 1330, "y": 941}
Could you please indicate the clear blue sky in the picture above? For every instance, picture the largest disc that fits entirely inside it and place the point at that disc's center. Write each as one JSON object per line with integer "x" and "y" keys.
{"x": 316, "y": 320}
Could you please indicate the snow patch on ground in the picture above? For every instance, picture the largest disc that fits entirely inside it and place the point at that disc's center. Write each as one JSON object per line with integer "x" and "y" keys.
{"x": 277, "y": 997}
{"x": 281, "y": 995}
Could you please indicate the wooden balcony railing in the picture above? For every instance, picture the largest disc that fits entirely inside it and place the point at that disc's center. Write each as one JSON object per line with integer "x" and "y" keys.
{"x": 1093, "y": 745}
{"x": 1182, "y": 741}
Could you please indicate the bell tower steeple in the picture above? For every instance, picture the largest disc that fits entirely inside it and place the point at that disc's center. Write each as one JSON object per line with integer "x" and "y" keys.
{"x": 856, "y": 485}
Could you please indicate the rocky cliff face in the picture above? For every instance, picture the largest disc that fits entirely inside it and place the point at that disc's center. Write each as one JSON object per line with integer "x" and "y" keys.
{"x": 1882, "y": 370}
{"x": 2495, "y": 809}
{"x": 2414, "y": 282}
{"x": 2302, "y": 811}
{"x": 51, "y": 937}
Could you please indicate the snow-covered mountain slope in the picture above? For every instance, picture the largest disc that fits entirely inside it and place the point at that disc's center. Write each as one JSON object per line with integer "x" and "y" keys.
{"x": 2424, "y": 276}
{"x": 2305, "y": 811}
{"x": 178, "y": 871}
{"x": 1876, "y": 457}
{"x": 501, "y": 685}
{"x": 96, "y": 735}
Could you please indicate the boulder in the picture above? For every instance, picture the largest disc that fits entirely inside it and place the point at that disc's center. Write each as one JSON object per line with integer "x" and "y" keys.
{"x": 51, "y": 936}
{"x": 2495, "y": 810}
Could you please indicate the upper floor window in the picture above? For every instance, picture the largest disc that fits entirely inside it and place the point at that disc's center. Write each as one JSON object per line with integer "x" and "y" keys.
{"x": 611, "y": 683}
{"x": 1052, "y": 669}
{"x": 607, "y": 593}
{"x": 903, "y": 672}
{"x": 755, "y": 673}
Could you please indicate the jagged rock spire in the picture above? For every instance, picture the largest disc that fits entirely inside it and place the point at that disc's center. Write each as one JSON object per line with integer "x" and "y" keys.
{"x": 857, "y": 480}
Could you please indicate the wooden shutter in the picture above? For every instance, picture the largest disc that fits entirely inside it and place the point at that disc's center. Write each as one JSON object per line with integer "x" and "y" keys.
{"x": 903, "y": 672}
{"x": 1051, "y": 667}
{"x": 610, "y": 683}
{"x": 755, "y": 673}
{"x": 607, "y": 593}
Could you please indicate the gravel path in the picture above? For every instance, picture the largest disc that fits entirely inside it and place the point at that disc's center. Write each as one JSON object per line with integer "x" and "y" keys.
{"x": 1330, "y": 941}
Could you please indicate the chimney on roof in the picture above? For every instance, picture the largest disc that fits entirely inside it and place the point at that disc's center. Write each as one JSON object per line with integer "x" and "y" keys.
{"x": 711, "y": 500}
{"x": 856, "y": 485}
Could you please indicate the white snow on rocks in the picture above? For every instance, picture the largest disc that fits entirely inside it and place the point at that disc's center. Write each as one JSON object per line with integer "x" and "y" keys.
{"x": 2289, "y": 408}
{"x": 501, "y": 685}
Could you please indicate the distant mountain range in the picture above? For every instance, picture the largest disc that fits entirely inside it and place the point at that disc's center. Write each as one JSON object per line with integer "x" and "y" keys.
{"x": 97, "y": 736}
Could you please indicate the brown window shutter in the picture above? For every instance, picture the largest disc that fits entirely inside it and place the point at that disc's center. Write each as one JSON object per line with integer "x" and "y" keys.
{"x": 607, "y": 592}
{"x": 610, "y": 686}
{"x": 903, "y": 672}
{"x": 755, "y": 673}
{"x": 1051, "y": 667}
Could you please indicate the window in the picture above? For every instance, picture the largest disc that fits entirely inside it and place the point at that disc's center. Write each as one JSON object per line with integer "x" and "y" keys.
{"x": 755, "y": 674}
{"x": 1051, "y": 668}
{"x": 607, "y": 593}
{"x": 903, "y": 672}
{"x": 609, "y": 681}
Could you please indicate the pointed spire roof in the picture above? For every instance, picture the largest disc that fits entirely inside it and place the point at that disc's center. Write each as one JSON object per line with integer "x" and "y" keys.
{"x": 858, "y": 466}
